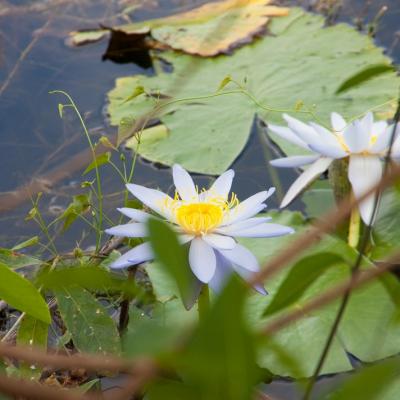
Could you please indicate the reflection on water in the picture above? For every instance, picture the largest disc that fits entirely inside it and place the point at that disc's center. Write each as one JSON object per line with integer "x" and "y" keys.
{"x": 35, "y": 59}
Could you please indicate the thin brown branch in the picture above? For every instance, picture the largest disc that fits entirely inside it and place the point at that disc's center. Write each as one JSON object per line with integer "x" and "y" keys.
{"x": 361, "y": 278}
{"x": 326, "y": 224}
{"x": 22, "y": 388}
{"x": 86, "y": 361}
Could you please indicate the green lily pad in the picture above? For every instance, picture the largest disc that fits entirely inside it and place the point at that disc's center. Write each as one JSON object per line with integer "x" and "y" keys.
{"x": 371, "y": 313}
{"x": 301, "y": 61}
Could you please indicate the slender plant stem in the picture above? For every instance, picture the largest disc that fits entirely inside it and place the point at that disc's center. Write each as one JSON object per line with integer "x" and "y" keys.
{"x": 97, "y": 172}
{"x": 203, "y": 303}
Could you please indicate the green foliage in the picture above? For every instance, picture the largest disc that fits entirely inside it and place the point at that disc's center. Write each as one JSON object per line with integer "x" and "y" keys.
{"x": 33, "y": 333}
{"x": 100, "y": 159}
{"x": 80, "y": 204}
{"x": 219, "y": 123}
{"x": 174, "y": 258}
{"x": 26, "y": 243}
{"x": 365, "y": 75}
{"x": 157, "y": 333}
{"x": 22, "y": 295}
{"x": 372, "y": 312}
{"x": 16, "y": 260}
{"x": 92, "y": 329}
{"x": 219, "y": 360}
{"x": 88, "y": 277}
{"x": 300, "y": 277}
{"x": 370, "y": 383}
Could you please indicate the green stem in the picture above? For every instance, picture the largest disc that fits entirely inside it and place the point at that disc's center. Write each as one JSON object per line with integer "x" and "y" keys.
{"x": 98, "y": 180}
{"x": 354, "y": 228}
{"x": 203, "y": 303}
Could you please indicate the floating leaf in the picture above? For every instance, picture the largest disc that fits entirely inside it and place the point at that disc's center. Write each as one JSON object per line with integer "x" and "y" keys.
{"x": 371, "y": 313}
{"x": 370, "y": 383}
{"x": 22, "y": 295}
{"x": 79, "y": 38}
{"x": 92, "y": 329}
{"x": 279, "y": 73}
{"x": 208, "y": 30}
{"x": 366, "y": 74}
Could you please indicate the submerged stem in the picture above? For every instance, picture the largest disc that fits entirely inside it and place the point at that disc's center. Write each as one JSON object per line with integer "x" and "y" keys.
{"x": 203, "y": 303}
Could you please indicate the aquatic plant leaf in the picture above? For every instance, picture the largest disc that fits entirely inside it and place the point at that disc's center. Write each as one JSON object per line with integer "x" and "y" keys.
{"x": 155, "y": 333}
{"x": 79, "y": 38}
{"x": 14, "y": 259}
{"x": 26, "y": 243}
{"x": 300, "y": 277}
{"x": 372, "y": 313}
{"x": 219, "y": 360}
{"x": 208, "y": 30}
{"x": 88, "y": 277}
{"x": 19, "y": 293}
{"x": 173, "y": 257}
{"x": 217, "y": 27}
{"x": 101, "y": 159}
{"x": 92, "y": 329}
{"x": 364, "y": 75}
{"x": 278, "y": 70}
{"x": 79, "y": 205}
{"x": 32, "y": 333}
{"x": 374, "y": 382}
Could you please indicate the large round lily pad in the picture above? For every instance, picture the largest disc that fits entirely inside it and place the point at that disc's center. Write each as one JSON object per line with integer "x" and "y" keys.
{"x": 300, "y": 61}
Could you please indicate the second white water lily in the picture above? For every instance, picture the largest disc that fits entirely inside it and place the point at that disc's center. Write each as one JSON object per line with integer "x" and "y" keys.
{"x": 209, "y": 220}
{"x": 363, "y": 141}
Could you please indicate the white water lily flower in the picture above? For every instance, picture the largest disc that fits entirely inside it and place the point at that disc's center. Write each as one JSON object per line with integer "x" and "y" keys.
{"x": 363, "y": 141}
{"x": 209, "y": 220}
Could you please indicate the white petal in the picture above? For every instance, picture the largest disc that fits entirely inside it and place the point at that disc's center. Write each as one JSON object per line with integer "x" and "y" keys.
{"x": 264, "y": 230}
{"x": 383, "y": 138}
{"x": 288, "y": 134}
{"x": 328, "y": 144}
{"x": 184, "y": 238}
{"x": 293, "y": 162}
{"x": 247, "y": 275}
{"x": 202, "y": 260}
{"x": 247, "y": 208}
{"x": 247, "y": 223}
{"x": 222, "y": 273}
{"x": 219, "y": 241}
{"x": 135, "y": 229}
{"x": 243, "y": 257}
{"x": 356, "y": 137}
{"x": 137, "y": 255}
{"x": 312, "y": 172}
{"x": 338, "y": 122}
{"x": 154, "y": 199}
{"x": 364, "y": 173}
{"x": 184, "y": 184}
{"x": 133, "y": 213}
{"x": 222, "y": 185}
{"x": 303, "y": 131}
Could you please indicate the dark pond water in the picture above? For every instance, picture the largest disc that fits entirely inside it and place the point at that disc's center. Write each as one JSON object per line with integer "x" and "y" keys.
{"x": 34, "y": 142}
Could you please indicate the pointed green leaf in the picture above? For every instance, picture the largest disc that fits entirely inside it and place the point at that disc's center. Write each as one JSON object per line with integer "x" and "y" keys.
{"x": 22, "y": 295}
{"x": 101, "y": 159}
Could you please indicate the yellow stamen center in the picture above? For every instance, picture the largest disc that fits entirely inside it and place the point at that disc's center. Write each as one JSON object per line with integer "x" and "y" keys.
{"x": 199, "y": 218}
